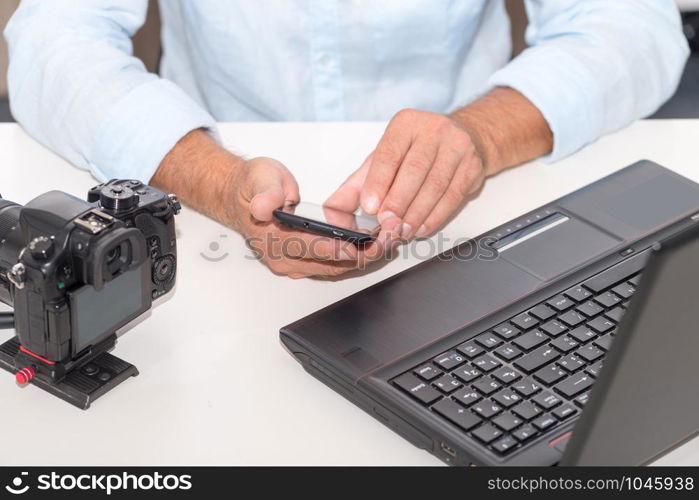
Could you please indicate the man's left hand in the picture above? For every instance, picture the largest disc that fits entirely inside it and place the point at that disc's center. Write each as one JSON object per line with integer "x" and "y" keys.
{"x": 421, "y": 172}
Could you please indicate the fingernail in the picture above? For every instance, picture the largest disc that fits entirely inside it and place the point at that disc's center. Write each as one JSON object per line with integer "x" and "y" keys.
{"x": 385, "y": 216}
{"x": 371, "y": 205}
{"x": 405, "y": 230}
{"x": 421, "y": 232}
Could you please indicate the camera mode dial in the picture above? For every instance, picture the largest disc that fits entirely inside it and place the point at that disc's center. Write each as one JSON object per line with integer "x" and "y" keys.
{"x": 118, "y": 198}
{"x": 41, "y": 247}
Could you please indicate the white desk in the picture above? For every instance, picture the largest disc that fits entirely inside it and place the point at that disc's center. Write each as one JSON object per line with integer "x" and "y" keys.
{"x": 216, "y": 387}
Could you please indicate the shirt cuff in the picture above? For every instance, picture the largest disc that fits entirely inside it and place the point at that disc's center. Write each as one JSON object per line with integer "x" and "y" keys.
{"x": 563, "y": 90}
{"x": 142, "y": 127}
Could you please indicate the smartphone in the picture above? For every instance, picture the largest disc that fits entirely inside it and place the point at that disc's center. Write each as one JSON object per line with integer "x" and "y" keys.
{"x": 326, "y": 221}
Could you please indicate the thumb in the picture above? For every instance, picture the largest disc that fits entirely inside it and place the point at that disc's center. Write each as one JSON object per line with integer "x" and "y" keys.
{"x": 272, "y": 187}
{"x": 265, "y": 203}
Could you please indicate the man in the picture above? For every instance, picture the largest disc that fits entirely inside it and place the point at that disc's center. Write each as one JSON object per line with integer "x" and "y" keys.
{"x": 460, "y": 111}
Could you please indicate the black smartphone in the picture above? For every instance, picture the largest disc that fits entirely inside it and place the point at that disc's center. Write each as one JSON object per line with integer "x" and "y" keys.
{"x": 326, "y": 221}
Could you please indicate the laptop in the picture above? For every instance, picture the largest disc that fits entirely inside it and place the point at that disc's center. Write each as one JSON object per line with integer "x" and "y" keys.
{"x": 570, "y": 338}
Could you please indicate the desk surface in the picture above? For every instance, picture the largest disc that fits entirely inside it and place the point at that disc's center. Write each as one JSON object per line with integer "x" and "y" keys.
{"x": 216, "y": 386}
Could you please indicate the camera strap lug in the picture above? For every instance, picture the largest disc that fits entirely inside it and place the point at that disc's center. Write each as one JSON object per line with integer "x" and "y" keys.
{"x": 18, "y": 275}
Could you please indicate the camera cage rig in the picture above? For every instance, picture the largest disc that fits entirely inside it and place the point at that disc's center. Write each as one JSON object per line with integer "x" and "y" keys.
{"x": 63, "y": 366}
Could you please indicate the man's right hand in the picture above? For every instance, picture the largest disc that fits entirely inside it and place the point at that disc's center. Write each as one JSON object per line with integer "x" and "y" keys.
{"x": 243, "y": 195}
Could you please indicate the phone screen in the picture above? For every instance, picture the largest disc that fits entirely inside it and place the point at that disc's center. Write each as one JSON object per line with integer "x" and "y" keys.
{"x": 360, "y": 223}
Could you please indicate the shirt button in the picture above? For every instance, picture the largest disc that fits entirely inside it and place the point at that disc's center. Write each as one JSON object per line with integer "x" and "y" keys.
{"x": 325, "y": 59}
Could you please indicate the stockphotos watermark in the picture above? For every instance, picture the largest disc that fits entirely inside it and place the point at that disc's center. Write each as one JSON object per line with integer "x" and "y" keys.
{"x": 272, "y": 247}
{"x": 104, "y": 483}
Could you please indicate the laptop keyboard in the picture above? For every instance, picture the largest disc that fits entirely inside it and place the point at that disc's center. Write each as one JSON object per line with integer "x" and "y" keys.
{"x": 510, "y": 384}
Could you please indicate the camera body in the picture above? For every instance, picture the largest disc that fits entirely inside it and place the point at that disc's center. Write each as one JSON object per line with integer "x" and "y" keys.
{"x": 76, "y": 271}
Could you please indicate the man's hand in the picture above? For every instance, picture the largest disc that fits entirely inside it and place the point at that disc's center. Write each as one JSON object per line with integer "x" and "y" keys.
{"x": 422, "y": 170}
{"x": 259, "y": 187}
{"x": 426, "y": 165}
{"x": 243, "y": 195}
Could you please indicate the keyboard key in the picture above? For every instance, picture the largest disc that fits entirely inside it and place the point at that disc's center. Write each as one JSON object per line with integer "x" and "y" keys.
{"x": 565, "y": 344}
{"x": 615, "y": 314}
{"x": 470, "y": 350}
{"x": 550, "y": 374}
{"x": 531, "y": 340}
{"x": 604, "y": 342}
{"x": 554, "y": 328}
{"x": 488, "y": 340}
{"x": 575, "y": 384}
{"x": 544, "y": 422}
{"x": 578, "y": 293}
{"x": 616, "y": 274}
{"x": 582, "y": 399}
{"x": 607, "y": 299}
{"x": 564, "y": 411}
{"x": 466, "y": 396}
{"x": 524, "y": 433}
{"x": 507, "y": 398}
{"x": 507, "y": 352}
{"x": 487, "y": 408}
{"x": 590, "y": 353}
{"x": 427, "y": 372}
{"x": 457, "y": 414}
{"x": 524, "y": 321}
{"x": 571, "y": 363}
{"x": 487, "y": 385}
{"x": 505, "y": 444}
{"x": 417, "y": 388}
{"x": 487, "y": 433}
{"x": 507, "y": 421}
{"x": 506, "y": 331}
{"x": 561, "y": 303}
{"x": 486, "y": 363}
{"x": 526, "y": 410}
{"x": 547, "y": 400}
{"x": 589, "y": 309}
{"x": 542, "y": 312}
{"x": 447, "y": 384}
{"x": 526, "y": 387}
{"x": 595, "y": 369}
{"x": 467, "y": 373}
{"x": 536, "y": 359}
{"x": 450, "y": 360}
{"x": 583, "y": 334}
{"x": 625, "y": 290}
{"x": 634, "y": 281}
{"x": 572, "y": 318}
{"x": 506, "y": 375}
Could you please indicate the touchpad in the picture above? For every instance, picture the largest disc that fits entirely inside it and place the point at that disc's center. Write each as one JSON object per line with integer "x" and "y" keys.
{"x": 559, "y": 245}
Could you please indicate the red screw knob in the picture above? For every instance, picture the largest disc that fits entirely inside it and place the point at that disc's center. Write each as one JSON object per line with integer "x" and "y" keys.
{"x": 25, "y": 375}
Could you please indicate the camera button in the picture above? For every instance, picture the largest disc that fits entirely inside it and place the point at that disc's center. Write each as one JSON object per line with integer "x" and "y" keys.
{"x": 90, "y": 369}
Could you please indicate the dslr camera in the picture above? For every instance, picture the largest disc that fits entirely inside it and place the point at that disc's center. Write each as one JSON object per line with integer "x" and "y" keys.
{"x": 77, "y": 271}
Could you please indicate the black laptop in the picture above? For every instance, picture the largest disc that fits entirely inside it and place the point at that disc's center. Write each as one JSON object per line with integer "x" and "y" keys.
{"x": 571, "y": 338}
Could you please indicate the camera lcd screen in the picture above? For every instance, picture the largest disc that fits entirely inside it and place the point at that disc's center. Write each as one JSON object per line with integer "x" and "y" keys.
{"x": 97, "y": 314}
{"x": 358, "y": 222}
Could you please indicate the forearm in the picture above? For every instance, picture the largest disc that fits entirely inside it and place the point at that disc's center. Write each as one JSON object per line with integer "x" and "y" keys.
{"x": 198, "y": 170}
{"x": 506, "y": 128}
{"x": 75, "y": 86}
{"x": 594, "y": 66}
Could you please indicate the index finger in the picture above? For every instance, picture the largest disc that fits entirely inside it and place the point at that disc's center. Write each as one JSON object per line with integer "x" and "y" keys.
{"x": 385, "y": 160}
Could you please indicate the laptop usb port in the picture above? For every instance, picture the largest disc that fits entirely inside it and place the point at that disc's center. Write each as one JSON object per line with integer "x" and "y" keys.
{"x": 447, "y": 449}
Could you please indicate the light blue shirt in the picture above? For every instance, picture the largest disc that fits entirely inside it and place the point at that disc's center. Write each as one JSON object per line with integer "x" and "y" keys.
{"x": 593, "y": 67}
